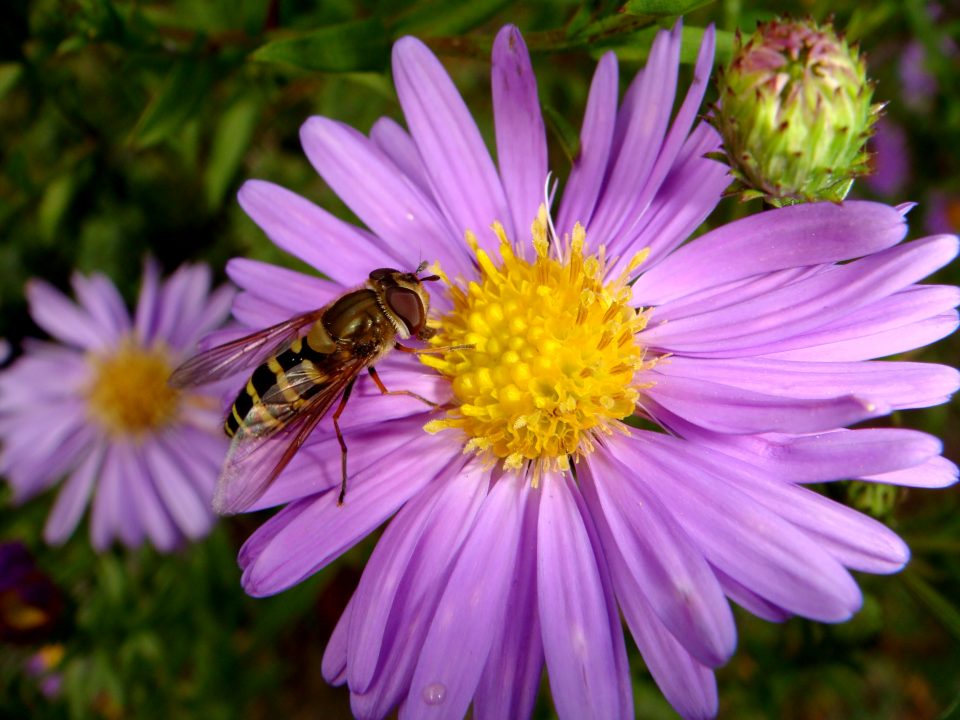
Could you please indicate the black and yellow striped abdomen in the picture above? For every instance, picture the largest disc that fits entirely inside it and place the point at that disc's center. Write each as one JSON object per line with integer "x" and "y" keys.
{"x": 271, "y": 375}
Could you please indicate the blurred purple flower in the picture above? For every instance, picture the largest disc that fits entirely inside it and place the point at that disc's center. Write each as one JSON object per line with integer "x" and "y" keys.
{"x": 97, "y": 409}
{"x": 917, "y": 83}
{"x": 43, "y": 665}
{"x": 753, "y": 353}
{"x": 889, "y": 159}
{"x": 943, "y": 212}
{"x": 30, "y": 603}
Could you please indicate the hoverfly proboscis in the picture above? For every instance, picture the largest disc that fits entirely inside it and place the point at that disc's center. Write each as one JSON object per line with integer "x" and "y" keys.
{"x": 302, "y": 365}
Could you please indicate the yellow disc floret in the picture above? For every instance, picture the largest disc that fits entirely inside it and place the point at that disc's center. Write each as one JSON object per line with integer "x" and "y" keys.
{"x": 553, "y": 352}
{"x": 129, "y": 394}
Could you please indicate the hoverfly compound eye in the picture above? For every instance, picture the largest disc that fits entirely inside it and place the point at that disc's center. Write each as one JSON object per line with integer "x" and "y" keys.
{"x": 381, "y": 273}
{"x": 408, "y": 306}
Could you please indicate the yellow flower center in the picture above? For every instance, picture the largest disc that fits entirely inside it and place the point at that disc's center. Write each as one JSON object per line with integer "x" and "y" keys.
{"x": 553, "y": 354}
{"x": 129, "y": 394}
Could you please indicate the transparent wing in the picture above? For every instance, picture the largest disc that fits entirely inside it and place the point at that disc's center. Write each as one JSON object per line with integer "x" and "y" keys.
{"x": 244, "y": 354}
{"x": 272, "y": 433}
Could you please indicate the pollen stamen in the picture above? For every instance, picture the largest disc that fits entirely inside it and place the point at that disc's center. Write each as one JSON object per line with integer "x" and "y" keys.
{"x": 129, "y": 393}
{"x": 554, "y": 354}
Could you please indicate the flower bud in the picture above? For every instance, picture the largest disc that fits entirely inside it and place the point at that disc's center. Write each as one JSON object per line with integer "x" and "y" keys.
{"x": 795, "y": 113}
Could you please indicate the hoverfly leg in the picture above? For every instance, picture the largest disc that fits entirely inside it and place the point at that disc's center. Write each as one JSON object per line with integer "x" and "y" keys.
{"x": 431, "y": 350}
{"x": 343, "y": 443}
{"x": 383, "y": 389}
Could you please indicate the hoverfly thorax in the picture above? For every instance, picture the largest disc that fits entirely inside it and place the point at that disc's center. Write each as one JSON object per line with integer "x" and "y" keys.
{"x": 404, "y": 300}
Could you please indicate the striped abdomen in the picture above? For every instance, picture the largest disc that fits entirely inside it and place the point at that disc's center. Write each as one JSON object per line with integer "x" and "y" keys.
{"x": 272, "y": 374}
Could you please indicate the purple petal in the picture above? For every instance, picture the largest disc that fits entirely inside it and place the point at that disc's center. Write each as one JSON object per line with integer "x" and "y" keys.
{"x": 148, "y": 506}
{"x": 106, "y": 502}
{"x": 750, "y": 601}
{"x": 590, "y": 166}
{"x": 738, "y": 535}
{"x": 312, "y": 234}
{"x": 129, "y": 528}
{"x": 521, "y": 138}
{"x": 577, "y": 642}
{"x": 334, "y": 665}
{"x": 459, "y": 639}
{"x": 461, "y": 172}
{"x": 397, "y": 145}
{"x": 808, "y": 234}
{"x": 256, "y": 312}
{"x": 99, "y": 297}
{"x": 621, "y": 663}
{"x": 201, "y": 456}
{"x": 215, "y": 311}
{"x": 145, "y": 317}
{"x": 287, "y": 288}
{"x": 837, "y": 455}
{"x": 324, "y": 530}
{"x": 674, "y": 141}
{"x": 641, "y": 127}
{"x": 43, "y": 443}
{"x": 731, "y": 293}
{"x": 316, "y": 467}
{"x": 183, "y": 298}
{"x": 762, "y": 325}
{"x": 908, "y": 319}
{"x": 382, "y": 578}
{"x": 384, "y": 199}
{"x": 686, "y": 684}
{"x": 899, "y": 384}
{"x": 937, "y": 472}
{"x": 859, "y": 542}
{"x": 192, "y": 513}
{"x": 424, "y": 578}
{"x": 73, "y": 498}
{"x": 63, "y": 319}
{"x": 728, "y": 409}
{"x": 675, "y": 578}
{"x": 511, "y": 679}
{"x": 687, "y": 196}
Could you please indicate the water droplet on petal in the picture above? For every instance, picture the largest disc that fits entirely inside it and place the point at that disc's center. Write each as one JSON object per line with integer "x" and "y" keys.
{"x": 434, "y": 693}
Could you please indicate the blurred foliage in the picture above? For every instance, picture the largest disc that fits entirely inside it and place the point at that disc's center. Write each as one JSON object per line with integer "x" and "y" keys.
{"x": 127, "y": 128}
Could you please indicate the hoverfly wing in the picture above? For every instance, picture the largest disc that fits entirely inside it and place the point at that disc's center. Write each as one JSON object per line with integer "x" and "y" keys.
{"x": 273, "y": 431}
{"x": 255, "y": 461}
{"x": 245, "y": 353}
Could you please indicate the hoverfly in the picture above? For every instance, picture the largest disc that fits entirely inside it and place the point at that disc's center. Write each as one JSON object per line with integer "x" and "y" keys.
{"x": 299, "y": 375}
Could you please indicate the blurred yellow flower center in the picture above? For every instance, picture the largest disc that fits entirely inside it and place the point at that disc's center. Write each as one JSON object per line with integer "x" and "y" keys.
{"x": 129, "y": 394}
{"x": 553, "y": 357}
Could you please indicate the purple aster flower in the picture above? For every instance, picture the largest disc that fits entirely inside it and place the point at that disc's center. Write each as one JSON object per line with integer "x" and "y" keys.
{"x": 530, "y": 515}
{"x": 97, "y": 409}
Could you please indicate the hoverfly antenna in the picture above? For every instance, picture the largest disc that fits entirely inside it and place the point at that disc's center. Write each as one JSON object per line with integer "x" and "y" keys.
{"x": 421, "y": 267}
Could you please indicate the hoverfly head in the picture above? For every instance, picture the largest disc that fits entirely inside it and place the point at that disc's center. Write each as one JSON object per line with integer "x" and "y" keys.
{"x": 405, "y": 298}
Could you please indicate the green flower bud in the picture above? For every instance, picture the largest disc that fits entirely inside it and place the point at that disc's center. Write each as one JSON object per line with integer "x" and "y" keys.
{"x": 795, "y": 113}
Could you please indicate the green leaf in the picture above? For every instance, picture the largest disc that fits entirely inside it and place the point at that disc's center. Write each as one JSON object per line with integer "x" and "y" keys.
{"x": 230, "y": 142}
{"x": 10, "y": 73}
{"x": 351, "y": 46}
{"x": 54, "y": 204}
{"x": 636, "y": 47}
{"x": 180, "y": 98}
{"x": 943, "y": 609}
{"x": 439, "y": 17}
{"x": 563, "y": 131}
{"x": 663, "y": 7}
